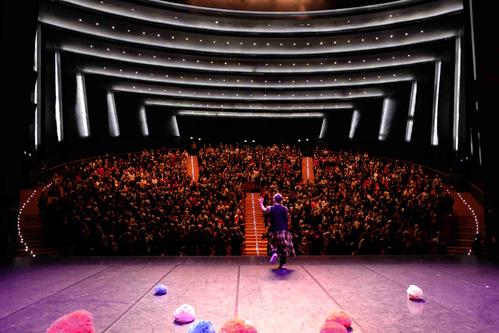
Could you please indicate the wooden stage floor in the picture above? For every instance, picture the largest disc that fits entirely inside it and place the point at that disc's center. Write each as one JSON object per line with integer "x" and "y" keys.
{"x": 461, "y": 294}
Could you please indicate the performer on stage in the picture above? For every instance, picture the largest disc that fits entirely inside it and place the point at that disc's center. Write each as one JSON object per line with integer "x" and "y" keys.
{"x": 280, "y": 239}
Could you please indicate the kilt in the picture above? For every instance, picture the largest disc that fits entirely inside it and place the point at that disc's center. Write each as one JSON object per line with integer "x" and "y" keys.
{"x": 284, "y": 238}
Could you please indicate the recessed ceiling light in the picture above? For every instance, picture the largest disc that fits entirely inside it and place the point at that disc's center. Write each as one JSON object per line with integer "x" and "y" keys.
{"x": 421, "y": 31}
{"x": 143, "y": 32}
{"x": 376, "y": 38}
{"x": 216, "y": 22}
{"x": 391, "y": 36}
{"x": 97, "y": 23}
{"x": 91, "y": 46}
{"x": 80, "y": 20}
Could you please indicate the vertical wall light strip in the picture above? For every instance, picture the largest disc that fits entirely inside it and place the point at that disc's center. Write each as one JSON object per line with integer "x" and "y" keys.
{"x": 112, "y": 116}
{"x": 35, "y": 55}
{"x": 436, "y": 93}
{"x": 58, "y": 94}
{"x": 143, "y": 121}
{"x": 412, "y": 110}
{"x": 473, "y": 51}
{"x": 387, "y": 115}
{"x": 354, "y": 123}
{"x": 323, "y": 131}
{"x": 471, "y": 142}
{"x": 479, "y": 149}
{"x": 81, "y": 108}
{"x": 174, "y": 126}
{"x": 457, "y": 93}
{"x": 38, "y": 87}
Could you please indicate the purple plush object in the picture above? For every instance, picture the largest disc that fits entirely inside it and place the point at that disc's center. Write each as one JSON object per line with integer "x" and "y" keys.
{"x": 201, "y": 326}
{"x": 160, "y": 289}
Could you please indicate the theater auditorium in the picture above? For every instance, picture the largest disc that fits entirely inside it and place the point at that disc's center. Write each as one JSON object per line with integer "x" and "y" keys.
{"x": 243, "y": 166}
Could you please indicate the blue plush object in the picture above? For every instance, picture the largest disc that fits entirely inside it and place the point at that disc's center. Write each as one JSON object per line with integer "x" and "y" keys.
{"x": 160, "y": 289}
{"x": 201, "y": 326}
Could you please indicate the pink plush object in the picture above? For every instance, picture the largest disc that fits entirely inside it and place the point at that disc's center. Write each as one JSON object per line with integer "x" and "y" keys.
{"x": 184, "y": 314}
{"x": 238, "y": 326}
{"x": 414, "y": 293}
{"x": 340, "y": 317}
{"x": 333, "y": 327}
{"x": 80, "y": 321}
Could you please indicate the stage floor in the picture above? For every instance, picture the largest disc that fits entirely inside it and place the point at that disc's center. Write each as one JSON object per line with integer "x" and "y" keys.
{"x": 461, "y": 295}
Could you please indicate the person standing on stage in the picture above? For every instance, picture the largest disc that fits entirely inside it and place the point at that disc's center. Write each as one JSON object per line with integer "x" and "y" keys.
{"x": 280, "y": 239}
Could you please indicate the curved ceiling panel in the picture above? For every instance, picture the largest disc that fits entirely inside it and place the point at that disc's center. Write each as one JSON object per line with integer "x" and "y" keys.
{"x": 306, "y": 24}
{"x": 152, "y": 37}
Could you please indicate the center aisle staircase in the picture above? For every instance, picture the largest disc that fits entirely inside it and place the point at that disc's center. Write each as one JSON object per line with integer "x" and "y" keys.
{"x": 254, "y": 227}
{"x": 307, "y": 169}
{"x": 193, "y": 167}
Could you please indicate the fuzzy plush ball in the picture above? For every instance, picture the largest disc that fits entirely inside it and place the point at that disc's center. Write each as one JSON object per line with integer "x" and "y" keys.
{"x": 333, "y": 327}
{"x": 160, "y": 289}
{"x": 184, "y": 314}
{"x": 414, "y": 293}
{"x": 80, "y": 321}
{"x": 237, "y": 326}
{"x": 340, "y": 317}
{"x": 201, "y": 326}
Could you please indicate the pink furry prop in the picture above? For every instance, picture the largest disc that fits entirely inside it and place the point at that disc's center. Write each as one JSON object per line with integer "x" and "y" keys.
{"x": 184, "y": 314}
{"x": 333, "y": 327}
{"x": 340, "y": 317}
{"x": 80, "y": 321}
{"x": 414, "y": 293}
{"x": 237, "y": 326}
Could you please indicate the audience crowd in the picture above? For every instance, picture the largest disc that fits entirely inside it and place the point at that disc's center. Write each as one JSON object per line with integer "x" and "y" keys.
{"x": 146, "y": 204}
{"x": 363, "y": 205}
